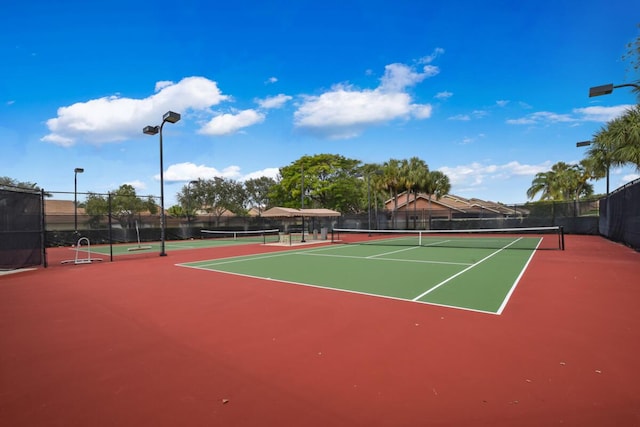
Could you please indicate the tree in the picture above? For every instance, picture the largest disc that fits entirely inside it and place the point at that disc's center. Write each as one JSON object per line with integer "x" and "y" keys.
{"x": 6, "y": 181}
{"x": 412, "y": 173}
{"x": 392, "y": 182}
{"x": 218, "y": 195}
{"x": 258, "y": 190}
{"x": 329, "y": 181}
{"x": 125, "y": 206}
{"x": 434, "y": 183}
{"x": 616, "y": 144}
{"x": 622, "y": 136}
{"x": 563, "y": 182}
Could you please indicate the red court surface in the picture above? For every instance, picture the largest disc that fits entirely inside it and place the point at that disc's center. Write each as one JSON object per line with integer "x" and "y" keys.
{"x": 142, "y": 342}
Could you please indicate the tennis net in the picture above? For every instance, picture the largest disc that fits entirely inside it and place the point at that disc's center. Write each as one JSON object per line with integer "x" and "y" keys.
{"x": 242, "y": 236}
{"x": 532, "y": 238}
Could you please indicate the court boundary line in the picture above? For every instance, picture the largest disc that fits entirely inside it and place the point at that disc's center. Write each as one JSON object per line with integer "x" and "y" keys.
{"x": 290, "y": 282}
{"x": 388, "y": 259}
{"x": 427, "y": 292}
{"x": 516, "y": 282}
{"x": 209, "y": 264}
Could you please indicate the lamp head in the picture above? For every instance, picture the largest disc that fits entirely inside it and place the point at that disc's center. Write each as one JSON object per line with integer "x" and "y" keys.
{"x": 601, "y": 90}
{"x": 151, "y": 130}
{"x": 78, "y": 170}
{"x": 171, "y": 117}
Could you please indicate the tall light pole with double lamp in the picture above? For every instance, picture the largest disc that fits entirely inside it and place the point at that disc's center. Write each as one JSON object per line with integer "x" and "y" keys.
{"x": 168, "y": 117}
{"x": 76, "y": 171}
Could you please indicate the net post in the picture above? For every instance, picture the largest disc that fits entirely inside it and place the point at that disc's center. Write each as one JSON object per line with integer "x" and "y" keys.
{"x": 420, "y": 238}
{"x": 561, "y": 237}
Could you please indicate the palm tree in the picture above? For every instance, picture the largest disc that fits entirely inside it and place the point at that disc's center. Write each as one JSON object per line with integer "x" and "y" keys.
{"x": 545, "y": 183}
{"x": 435, "y": 183}
{"x": 391, "y": 180}
{"x": 624, "y": 136}
{"x": 565, "y": 181}
{"x": 411, "y": 172}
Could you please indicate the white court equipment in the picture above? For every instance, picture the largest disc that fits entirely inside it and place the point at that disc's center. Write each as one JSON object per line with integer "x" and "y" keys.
{"x": 139, "y": 247}
{"x": 79, "y": 259}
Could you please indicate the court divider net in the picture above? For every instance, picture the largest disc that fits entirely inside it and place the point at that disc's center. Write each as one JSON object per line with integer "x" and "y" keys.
{"x": 531, "y": 238}
{"x": 248, "y": 236}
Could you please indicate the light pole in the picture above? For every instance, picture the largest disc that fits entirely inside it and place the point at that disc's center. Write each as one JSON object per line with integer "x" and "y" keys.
{"x": 170, "y": 117}
{"x": 76, "y": 171}
{"x": 607, "y": 89}
{"x": 302, "y": 199}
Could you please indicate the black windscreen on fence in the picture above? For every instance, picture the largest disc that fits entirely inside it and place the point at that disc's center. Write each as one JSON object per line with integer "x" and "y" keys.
{"x": 620, "y": 215}
{"x": 20, "y": 229}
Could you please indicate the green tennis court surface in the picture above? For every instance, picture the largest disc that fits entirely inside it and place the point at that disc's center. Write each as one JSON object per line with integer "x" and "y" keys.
{"x": 170, "y": 245}
{"x": 480, "y": 279}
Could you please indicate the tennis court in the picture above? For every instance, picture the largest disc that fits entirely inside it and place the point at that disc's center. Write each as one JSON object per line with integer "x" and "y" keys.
{"x": 207, "y": 239}
{"x": 476, "y": 271}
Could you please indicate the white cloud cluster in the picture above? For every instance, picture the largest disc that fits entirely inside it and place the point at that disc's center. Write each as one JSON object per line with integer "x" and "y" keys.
{"x": 344, "y": 111}
{"x": 227, "y": 124}
{"x": 587, "y": 114}
{"x": 273, "y": 101}
{"x": 114, "y": 118}
{"x": 476, "y": 173}
{"x": 341, "y": 112}
{"x": 187, "y": 171}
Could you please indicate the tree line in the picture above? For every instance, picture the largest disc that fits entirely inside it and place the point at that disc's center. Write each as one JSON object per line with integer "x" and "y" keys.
{"x": 327, "y": 181}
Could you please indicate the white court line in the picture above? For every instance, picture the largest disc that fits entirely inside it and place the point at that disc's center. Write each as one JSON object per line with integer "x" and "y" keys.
{"x": 465, "y": 270}
{"x": 329, "y": 288}
{"x": 387, "y": 259}
{"x": 241, "y": 258}
{"x": 392, "y": 252}
{"x": 513, "y": 288}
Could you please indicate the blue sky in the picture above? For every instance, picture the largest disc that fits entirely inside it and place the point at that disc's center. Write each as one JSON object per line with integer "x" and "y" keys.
{"x": 488, "y": 92}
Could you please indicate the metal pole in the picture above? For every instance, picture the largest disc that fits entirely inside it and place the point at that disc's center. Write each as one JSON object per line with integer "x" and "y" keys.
{"x": 75, "y": 201}
{"x": 302, "y": 200}
{"x": 162, "y": 218}
{"x": 369, "y": 201}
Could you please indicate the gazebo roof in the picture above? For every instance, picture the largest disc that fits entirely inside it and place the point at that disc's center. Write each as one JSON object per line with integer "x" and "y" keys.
{"x": 292, "y": 212}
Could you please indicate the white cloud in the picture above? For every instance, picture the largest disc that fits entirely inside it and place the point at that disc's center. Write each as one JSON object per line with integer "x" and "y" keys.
{"x": 630, "y": 177}
{"x": 588, "y": 114}
{"x": 190, "y": 171}
{"x": 268, "y": 172}
{"x": 273, "y": 101}
{"x": 476, "y": 173}
{"x": 601, "y": 114}
{"x": 137, "y": 184}
{"x": 502, "y": 103}
{"x": 398, "y": 77}
{"x": 271, "y": 80}
{"x": 443, "y": 95}
{"x": 461, "y": 117}
{"x": 421, "y": 111}
{"x": 344, "y": 111}
{"x": 185, "y": 172}
{"x": 430, "y": 58}
{"x": 162, "y": 84}
{"x": 113, "y": 118}
{"x": 227, "y": 124}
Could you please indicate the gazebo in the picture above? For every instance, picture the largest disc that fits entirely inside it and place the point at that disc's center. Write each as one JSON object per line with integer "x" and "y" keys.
{"x": 291, "y": 214}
